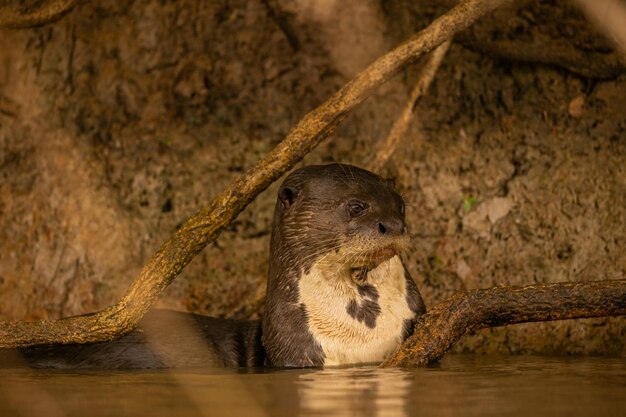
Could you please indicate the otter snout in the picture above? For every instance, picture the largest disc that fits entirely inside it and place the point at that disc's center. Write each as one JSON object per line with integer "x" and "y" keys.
{"x": 391, "y": 227}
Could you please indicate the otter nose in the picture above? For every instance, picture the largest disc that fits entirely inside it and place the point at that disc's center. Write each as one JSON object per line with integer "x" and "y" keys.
{"x": 391, "y": 227}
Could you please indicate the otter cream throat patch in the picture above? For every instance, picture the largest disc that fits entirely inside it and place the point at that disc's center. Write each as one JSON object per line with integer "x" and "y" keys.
{"x": 356, "y": 322}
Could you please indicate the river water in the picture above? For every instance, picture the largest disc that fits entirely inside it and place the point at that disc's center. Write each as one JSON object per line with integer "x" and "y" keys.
{"x": 461, "y": 385}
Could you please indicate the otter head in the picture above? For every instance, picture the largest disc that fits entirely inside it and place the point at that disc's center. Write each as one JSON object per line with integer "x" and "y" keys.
{"x": 334, "y": 271}
{"x": 338, "y": 215}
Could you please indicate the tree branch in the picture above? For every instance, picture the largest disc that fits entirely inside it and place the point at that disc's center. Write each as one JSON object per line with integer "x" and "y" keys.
{"x": 399, "y": 128}
{"x": 23, "y": 18}
{"x": 468, "y": 311}
{"x": 206, "y": 225}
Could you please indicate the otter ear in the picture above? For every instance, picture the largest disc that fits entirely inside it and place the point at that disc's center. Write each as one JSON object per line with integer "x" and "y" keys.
{"x": 287, "y": 195}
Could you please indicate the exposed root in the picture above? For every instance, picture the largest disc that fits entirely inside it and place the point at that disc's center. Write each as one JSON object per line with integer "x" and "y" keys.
{"x": 467, "y": 311}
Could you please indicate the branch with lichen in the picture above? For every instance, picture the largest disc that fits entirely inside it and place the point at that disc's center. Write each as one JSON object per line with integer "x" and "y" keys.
{"x": 205, "y": 226}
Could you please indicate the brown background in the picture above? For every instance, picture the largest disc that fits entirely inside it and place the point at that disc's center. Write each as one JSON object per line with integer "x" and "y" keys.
{"x": 120, "y": 120}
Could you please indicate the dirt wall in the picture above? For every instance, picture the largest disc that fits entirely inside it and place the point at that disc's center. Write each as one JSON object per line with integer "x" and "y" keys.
{"x": 121, "y": 120}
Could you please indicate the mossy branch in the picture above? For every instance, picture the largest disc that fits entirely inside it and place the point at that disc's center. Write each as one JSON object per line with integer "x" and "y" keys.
{"x": 24, "y": 18}
{"x": 467, "y": 311}
{"x": 205, "y": 226}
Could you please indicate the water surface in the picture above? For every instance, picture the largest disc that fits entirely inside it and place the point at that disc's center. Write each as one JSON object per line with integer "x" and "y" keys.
{"x": 462, "y": 385}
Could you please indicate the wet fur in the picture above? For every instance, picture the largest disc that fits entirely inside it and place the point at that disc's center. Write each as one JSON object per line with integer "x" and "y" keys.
{"x": 330, "y": 301}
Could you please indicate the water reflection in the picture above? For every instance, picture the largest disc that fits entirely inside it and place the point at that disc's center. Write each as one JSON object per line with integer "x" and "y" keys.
{"x": 461, "y": 386}
{"x": 366, "y": 392}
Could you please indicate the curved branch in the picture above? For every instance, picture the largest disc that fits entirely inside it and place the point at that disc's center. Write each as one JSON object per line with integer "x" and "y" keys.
{"x": 206, "y": 225}
{"x": 468, "y": 311}
{"x": 22, "y": 18}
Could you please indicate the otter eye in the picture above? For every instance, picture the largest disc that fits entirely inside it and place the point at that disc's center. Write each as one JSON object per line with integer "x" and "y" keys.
{"x": 356, "y": 208}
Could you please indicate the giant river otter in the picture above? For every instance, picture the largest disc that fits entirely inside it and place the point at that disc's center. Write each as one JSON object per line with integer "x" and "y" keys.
{"x": 337, "y": 292}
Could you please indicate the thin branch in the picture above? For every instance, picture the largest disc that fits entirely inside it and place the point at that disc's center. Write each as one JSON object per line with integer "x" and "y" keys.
{"x": 468, "y": 311}
{"x": 399, "y": 128}
{"x": 206, "y": 225}
{"x": 23, "y": 18}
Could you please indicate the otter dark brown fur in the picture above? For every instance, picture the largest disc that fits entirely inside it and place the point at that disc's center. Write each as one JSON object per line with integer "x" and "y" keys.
{"x": 337, "y": 293}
